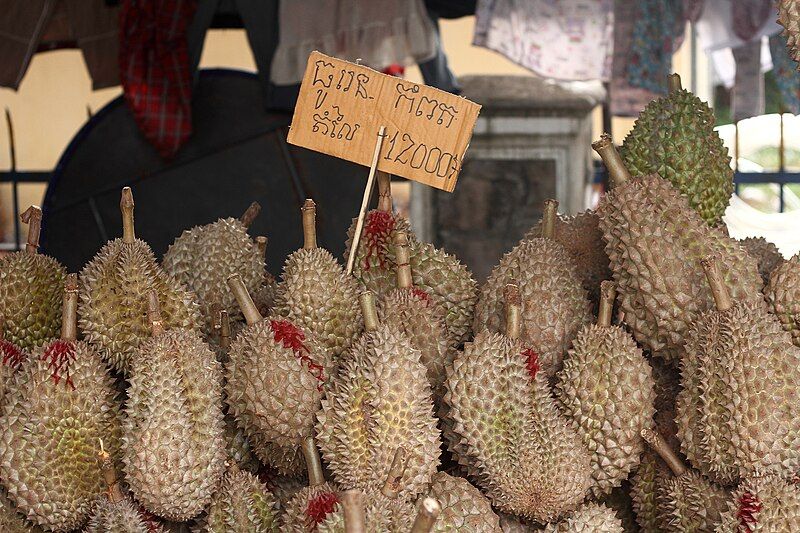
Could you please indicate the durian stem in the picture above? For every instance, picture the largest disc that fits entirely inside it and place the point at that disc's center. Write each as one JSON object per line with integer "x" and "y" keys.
{"x": 607, "y": 293}
{"x": 391, "y": 487}
{"x": 110, "y": 476}
{"x": 355, "y": 514}
{"x": 224, "y": 331}
{"x": 427, "y": 515}
{"x": 674, "y": 82}
{"x": 313, "y": 463}
{"x": 368, "y": 309}
{"x": 404, "y": 280}
{"x": 69, "y": 311}
{"x": 261, "y": 244}
{"x": 249, "y": 309}
{"x": 384, "y": 191}
{"x": 250, "y": 214}
{"x": 154, "y": 313}
{"x": 549, "y": 219}
{"x": 126, "y": 206}
{"x": 309, "y": 210}
{"x": 719, "y": 291}
{"x": 33, "y": 218}
{"x": 513, "y": 311}
{"x": 617, "y": 171}
{"x": 659, "y": 445}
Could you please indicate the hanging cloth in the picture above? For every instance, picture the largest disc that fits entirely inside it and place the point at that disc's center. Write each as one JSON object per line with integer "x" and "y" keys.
{"x": 749, "y": 16}
{"x": 567, "y": 40}
{"x": 787, "y": 77}
{"x": 657, "y": 34}
{"x": 154, "y": 68}
{"x": 748, "y": 89}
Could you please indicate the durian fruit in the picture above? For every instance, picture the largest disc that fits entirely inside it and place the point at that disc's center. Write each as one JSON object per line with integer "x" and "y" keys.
{"x": 783, "y": 295}
{"x": 114, "y": 288}
{"x": 554, "y": 304}
{"x": 514, "y": 524}
{"x": 116, "y": 513}
{"x": 283, "y": 488}
{"x": 264, "y": 297}
{"x": 412, "y": 311}
{"x": 379, "y": 401}
{"x": 606, "y": 389}
{"x": 10, "y": 520}
{"x": 737, "y": 412}
{"x": 519, "y": 449}
{"x": 674, "y": 137}
{"x": 581, "y": 237}
{"x": 317, "y": 295}
{"x": 789, "y": 18}
{"x": 589, "y": 518}
{"x": 31, "y": 285}
{"x": 11, "y": 359}
{"x": 238, "y": 447}
{"x": 310, "y": 506}
{"x": 688, "y": 502}
{"x": 464, "y": 508}
{"x": 61, "y": 402}
{"x": 619, "y": 500}
{"x": 762, "y": 503}
{"x": 655, "y": 242}
{"x": 242, "y": 505}
{"x": 203, "y": 257}
{"x": 174, "y": 449}
{"x": 766, "y": 253}
{"x": 286, "y": 460}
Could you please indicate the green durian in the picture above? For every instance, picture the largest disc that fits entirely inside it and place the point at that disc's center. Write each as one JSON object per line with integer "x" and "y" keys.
{"x": 241, "y": 505}
{"x": 310, "y": 506}
{"x": 674, "y": 137}
{"x": 31, "y": 285}
{"x": 114, "y": 288}
{"x": 783, "y": 296}
{"x": 762, "y": 503}
{"x": 589, "y": 518}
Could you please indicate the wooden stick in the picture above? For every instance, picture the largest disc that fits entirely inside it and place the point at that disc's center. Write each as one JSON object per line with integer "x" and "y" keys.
{"x": 355, "y": 514}
{"x": 249, "y": 309}
{"x": 617, "y": 171}
{"x": 313, "y": 462}
{"x": 607, "y": 293}
{"x": 33, "y": 218}
{"x": 126, "y": 206}
{"x": 369, "y": 311}
{"x": 659, "y": 445}
{"x": 250, "y": 214}
{"x": 384, "y": 191}
{"x": 309, "y": 211}
{"x": 513, "y": 310}
{"x": 391, "y": 487}
{"x": 154, "y": 313}
{"x": 351, "y": 259}
{"x": 69, "y": 311}
{"x": 719, "y": 291}
{"x": 429, "y": 511}
{"x": 404, "y": 280}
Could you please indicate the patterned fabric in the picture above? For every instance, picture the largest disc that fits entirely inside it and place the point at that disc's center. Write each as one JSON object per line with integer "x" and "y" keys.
{"x": 786, "y": 75}
{"x": 749, "y": 16}
{"x": 748, "y": 88}
{"x": 657, "y": 33}
{"x": 154, "y": 68}
{"x": 566, "y": 40}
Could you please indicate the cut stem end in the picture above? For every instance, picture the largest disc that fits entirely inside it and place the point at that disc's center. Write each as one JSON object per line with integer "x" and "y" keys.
{"x": 617, "y": 171}
{"x": 126, "y": 206}
{"x": 246, "y": 304}
{"x": 369, "y": 310}
{"x": 513, "y": 311}
{"x": 309, "y": 210}
{"x": 719, "y": 291}
{"x": 607, "y": 294}
{"x": 69, "y": 311}
{"x": 659, "y": 445}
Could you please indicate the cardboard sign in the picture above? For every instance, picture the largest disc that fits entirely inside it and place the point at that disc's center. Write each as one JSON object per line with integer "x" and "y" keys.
{"x": 343, "y": 105}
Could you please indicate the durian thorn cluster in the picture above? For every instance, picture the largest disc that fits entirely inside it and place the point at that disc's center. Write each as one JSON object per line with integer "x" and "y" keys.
{"x": 12, "y": 356}
{"x": 126, "y": 207}
{"x": 429, "y": 511}
{"x": 618, "y": 173}
{"x": 33, "y": 218}
{"x": 309, "y": 211}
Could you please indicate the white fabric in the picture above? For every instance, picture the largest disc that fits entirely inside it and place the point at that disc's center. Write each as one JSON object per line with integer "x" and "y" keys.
{"x": 778, "y": 228}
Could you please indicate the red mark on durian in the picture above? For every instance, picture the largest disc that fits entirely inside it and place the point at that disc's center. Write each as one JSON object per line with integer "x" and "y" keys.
{"x": 320, "y": 506}
{"x": 12, "y": 355}
{"x": 293, "y": 338}
{"x": 59, "y": 354}
{"x": 422, "y": 295}
{"x": 749, "y": 506}
{"x": 531, "y": 362}
{"x": 149, "y": 519}
{"x": 377, "y": 230}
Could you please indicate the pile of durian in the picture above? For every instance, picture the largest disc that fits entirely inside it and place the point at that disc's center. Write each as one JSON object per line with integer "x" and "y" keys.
{"x": 631, "y": 368}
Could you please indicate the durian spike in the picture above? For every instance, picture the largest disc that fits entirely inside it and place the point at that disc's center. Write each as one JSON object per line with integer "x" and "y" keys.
{"x": 607, "y": 294}
{"x": 249, "y": 309}
{"x": 722, "y": 297}
{"x": 110, "y": 475}
{"x": 429, "y": 511}
{"x": 69, "y": 311}
{"x": 549, "y": 219}
{"x": 261, "y": 244}
{"x": 513, "y": 311}
{"x": 313, "y": 462}
{"x": 33, "y": 218}
{"x": 368, "y": 309}
{"x": 617, "y": 171}
{"x": 659, "y": 445}
{"x": 309, "y": 210}
{"x": 391, "y": 487}
{"x": 674, "y": 82}
{"x": 250, "y": 214}
{"x": 353, "y": 505}
{"x": 126, "y": 206}
{"x": 384, "y": 191}
{"x": 224, "y": 331}
{"x": 404, "y": 280}
{"x": 154, "y": 313}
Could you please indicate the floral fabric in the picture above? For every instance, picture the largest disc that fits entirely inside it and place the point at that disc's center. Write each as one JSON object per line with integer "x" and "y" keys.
{"x": 786, "y": 75}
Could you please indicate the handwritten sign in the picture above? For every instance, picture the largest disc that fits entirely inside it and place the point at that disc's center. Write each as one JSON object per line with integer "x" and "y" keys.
{"x": 342, "y": 106}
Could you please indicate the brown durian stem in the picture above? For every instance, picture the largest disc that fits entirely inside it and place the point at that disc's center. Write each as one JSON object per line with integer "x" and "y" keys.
{"x": 249, "y": 309}
{"x": 549, "y": 219}
{"x": 607, "y": 293}
{"x": 355, "y": 514}
{"x": 384, "y": 191}
{"x": 513, "y": 311}
{"x": 391, "y": 487}
{"x": 33, "y": 218}
{"x": 674, "y": 82}
{"x": 126, "y": 206}
{"x": 154, "y": 313}
{"x": 313, "y": 463}
{"x": 309, "y": 210}
{"x": 110, "y": 476}
{"x": 69, "y": 311}
{"x": 261, "y": 244}
{"x": 617, "y": 171}
{"x": 659, "y": 445}
{"x": 722, "y": 297}
{"x": 427, "y": 515}
{"x": 368, "y": 309}
{"x": 224, "y": 331}
{"x": 250, "y": 214}
{"x": 404, "y": 280}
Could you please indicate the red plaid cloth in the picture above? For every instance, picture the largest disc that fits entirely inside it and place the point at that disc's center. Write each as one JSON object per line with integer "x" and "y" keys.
{"x": 154, "y": 69}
